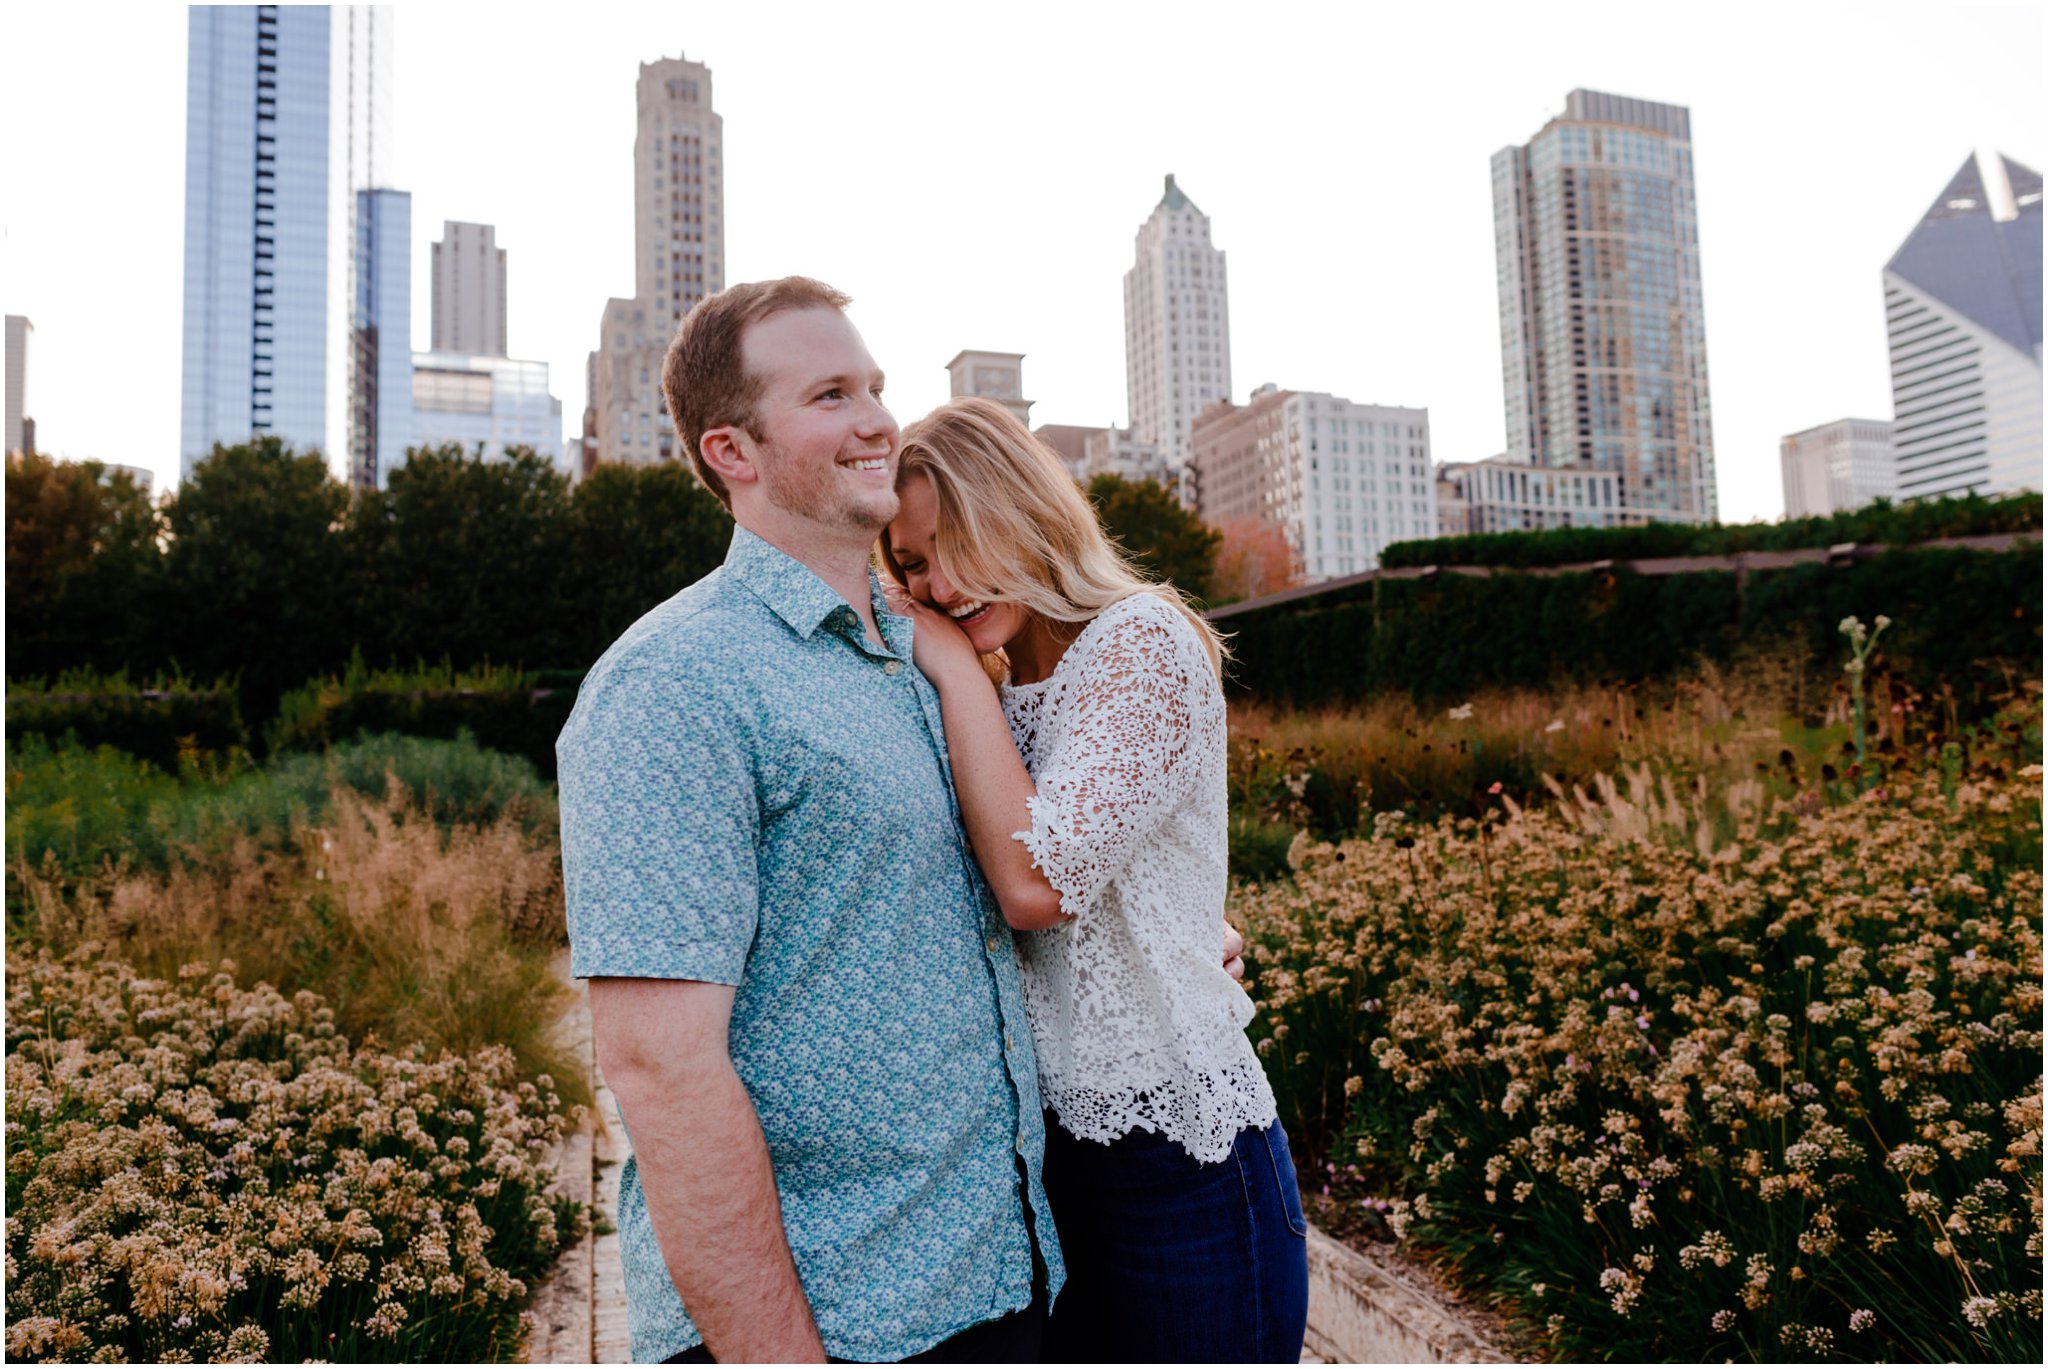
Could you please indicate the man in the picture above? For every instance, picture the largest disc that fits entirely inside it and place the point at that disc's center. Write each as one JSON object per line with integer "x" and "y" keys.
{"x": 803, "y": 995}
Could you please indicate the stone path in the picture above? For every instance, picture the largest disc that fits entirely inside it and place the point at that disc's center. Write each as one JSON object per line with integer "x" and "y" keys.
{"x": 579, "y": 1312}
{"x": 1362, "y": 1308}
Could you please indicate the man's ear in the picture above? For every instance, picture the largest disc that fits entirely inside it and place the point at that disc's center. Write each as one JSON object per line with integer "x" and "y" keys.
{"x": 726, "y": 452}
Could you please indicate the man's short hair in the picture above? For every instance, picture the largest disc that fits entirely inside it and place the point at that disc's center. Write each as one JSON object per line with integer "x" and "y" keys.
{"x": 704, "y": 377}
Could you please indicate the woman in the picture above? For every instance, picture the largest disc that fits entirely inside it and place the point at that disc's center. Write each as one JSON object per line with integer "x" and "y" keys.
{"x": 1091, "y": 780}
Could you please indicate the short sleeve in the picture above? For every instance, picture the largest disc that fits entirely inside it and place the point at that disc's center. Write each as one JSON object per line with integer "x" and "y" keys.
{"x": 660, "y": 832}
{"x": 1122, "y": 762}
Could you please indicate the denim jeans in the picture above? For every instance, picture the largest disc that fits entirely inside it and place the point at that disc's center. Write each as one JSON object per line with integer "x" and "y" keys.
{"x": 1172, "y": 1259}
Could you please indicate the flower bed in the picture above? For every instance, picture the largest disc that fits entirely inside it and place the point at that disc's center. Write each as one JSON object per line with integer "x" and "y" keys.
{"x": 198, "y": 1170}
{"x": 1676, "y": 1073}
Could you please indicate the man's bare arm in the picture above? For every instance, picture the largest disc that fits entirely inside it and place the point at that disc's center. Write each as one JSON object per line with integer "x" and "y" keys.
{"x": 661, "y": 1044}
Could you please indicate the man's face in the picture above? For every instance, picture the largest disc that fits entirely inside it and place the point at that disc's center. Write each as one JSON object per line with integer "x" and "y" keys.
{"x": 827, "y": 447}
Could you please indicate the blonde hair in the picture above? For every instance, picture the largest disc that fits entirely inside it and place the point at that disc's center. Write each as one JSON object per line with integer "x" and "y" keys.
{"x": 1013, "y": 525}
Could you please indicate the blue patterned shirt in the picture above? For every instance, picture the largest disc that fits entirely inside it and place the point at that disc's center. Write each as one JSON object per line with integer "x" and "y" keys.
{"x": 753, "y": 794}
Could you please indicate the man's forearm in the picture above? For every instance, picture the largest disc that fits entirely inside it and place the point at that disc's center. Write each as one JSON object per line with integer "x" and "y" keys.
{"x": 711, "y": 1196}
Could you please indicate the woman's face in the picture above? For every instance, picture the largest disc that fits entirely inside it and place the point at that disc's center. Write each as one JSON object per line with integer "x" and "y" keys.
{"x": 912, "y": 538}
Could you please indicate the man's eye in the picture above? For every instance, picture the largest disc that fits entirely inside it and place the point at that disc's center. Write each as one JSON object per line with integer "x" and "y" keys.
{"x": 834, "y": 393}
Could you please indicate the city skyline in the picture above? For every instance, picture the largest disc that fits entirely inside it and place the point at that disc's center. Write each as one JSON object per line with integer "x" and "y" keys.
{"x": 1010, "y": 227}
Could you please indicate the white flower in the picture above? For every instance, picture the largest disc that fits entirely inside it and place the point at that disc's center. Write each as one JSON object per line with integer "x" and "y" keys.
{"x": 1862, "y": 1319}
{"x": 1556, "y": 725}
{"x": 1461, "y": 713}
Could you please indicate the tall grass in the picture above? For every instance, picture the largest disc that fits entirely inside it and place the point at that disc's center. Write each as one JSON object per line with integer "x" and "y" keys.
{"x": 414, "y": 885}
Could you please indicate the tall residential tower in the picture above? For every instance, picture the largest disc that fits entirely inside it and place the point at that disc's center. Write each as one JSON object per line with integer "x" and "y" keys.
{"x": 288, "y": 116}
{"x": 1962, "y": 303}
{"x": 1603, "y": 340}
{"x": 469, "y": 290}
{"x": 678, "y": 258}
{"x": 1176, "y": 327}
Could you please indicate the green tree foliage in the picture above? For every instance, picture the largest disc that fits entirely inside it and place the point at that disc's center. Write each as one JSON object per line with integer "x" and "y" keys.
{"x": 1881, "y": 522}
{"x": 463, "y": 558}
{"x": 637, "y": 534}
{"x": 1164, "y": 539}
{"x": 254, "y": 573}
{"x": 82, "y": 557}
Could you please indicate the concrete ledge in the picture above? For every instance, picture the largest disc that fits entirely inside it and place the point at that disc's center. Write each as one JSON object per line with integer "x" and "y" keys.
{"x": 1366, "y": 1308}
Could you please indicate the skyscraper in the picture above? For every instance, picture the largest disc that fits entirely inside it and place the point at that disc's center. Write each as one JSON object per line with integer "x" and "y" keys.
{"x": 1837, "y": 466}
{"x": 21, "y": 425}
{"x": 469, "y": 290}
{"x": 678, "y": 257}
{"x": 1603, "y": 340}
{"x": 380, "y": 398}
{"x": 288, "y": 115}
{"x": 1962, "y": 303}
{"x": 1176, "y": 326}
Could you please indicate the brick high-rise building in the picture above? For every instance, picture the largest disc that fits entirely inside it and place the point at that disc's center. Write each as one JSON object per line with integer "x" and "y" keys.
{"x": 678, "y": 258}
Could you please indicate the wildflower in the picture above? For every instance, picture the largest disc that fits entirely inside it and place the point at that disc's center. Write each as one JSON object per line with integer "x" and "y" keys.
{"x": 1979, "y": 1311}
{"x": 1723, "y": 1321}
{"x": 1555, "y": 725}
{"x": 1862, "y": 1319}
{"x": 1461, "y": 713}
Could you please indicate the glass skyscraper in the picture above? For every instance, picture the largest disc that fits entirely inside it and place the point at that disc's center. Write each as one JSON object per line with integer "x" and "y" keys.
{"x": 380, "y": 397}
{"x": 287, "y": 116}
{"x": 1603, "y": 339}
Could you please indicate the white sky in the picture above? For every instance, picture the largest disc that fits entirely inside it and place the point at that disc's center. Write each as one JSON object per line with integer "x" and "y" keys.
{"x": 974, "y": 176}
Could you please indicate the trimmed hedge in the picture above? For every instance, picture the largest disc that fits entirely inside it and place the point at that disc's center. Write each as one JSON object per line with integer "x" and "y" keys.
{"x": 1878, "y": 523}
{"x": 162, "y": 722}
{"x": 504, "y": 710}
{"x": 1445, "y": 637}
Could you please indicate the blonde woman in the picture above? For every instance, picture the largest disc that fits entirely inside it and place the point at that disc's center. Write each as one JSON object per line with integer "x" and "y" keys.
{"x": 1091, "y": 783}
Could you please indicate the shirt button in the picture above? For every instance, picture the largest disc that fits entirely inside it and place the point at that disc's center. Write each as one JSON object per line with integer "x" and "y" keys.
{"x": 995, "y": 943}
{"x": 891, "y": 667}
{"x": 1008, "y": 1044}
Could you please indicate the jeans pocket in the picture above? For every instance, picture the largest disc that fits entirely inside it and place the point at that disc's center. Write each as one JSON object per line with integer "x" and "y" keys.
{"x": 1284, "y": 1178}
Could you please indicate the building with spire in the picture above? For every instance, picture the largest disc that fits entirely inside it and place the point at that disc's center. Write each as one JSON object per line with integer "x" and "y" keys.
{"x": 287, "y": 119}
{"x": 1176, "y": 328}
{"x": 678, "y": 259}
{"x": 1962, "y": 304}
{"x": 1603, "y": 339}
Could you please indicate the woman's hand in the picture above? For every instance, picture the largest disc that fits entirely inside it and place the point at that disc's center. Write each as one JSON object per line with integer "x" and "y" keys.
{"x": 939, "y": 647}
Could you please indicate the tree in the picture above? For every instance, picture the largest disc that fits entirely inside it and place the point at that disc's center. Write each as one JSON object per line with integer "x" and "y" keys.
{"x": 254, "y": 574}
{"x": 637, "y": 535}
{"x": 464, "y": 559}
{"x": 83, "y": 561}
{"x": 1253, "y": 558}
{"x": 1163, "y": 538}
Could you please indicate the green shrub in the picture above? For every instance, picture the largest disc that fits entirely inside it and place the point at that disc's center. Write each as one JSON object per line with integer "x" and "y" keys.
{"x": 502, "y": 708}
{"x": 1443, "y": 638}
{"x": 1671, "y": 1073}
{"x": 203, "y": 1170}
{"x": 1879, "y": 523}
{"x": 83, "y": 807}
{"x": 169, "y": 719}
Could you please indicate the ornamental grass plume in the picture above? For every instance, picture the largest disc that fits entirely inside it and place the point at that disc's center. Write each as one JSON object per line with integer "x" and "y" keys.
{"x": 1684, "y": 1067}
{"x": 199, "y": 1170}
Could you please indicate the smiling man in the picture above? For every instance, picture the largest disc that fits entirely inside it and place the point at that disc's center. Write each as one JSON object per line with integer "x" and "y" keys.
{"x": 803, "y": 994}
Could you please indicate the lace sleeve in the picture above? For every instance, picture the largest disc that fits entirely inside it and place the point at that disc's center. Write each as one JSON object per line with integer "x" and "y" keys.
{"x": 1123, "y": 758}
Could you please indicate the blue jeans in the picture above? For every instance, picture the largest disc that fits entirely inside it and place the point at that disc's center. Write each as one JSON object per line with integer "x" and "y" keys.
{"x": 1172, "y": 1259}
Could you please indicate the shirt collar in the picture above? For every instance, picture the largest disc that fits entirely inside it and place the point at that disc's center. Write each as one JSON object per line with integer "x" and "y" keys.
{"x": 793, "y": 591}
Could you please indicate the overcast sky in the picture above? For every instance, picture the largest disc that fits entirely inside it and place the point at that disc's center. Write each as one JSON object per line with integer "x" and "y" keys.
{"x": 974, "y": 176}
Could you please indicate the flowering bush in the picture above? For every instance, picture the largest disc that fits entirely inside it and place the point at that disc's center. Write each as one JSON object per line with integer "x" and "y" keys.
{"x": 198, "y": 1170}
{"x": 1689, "y": 1072}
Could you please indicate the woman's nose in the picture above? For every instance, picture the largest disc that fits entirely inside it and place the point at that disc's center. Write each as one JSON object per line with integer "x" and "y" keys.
{"x": 941, "y": 589}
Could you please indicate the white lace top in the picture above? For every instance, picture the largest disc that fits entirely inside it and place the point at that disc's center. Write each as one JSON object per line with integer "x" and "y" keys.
{"x": 1136, "y": 1021}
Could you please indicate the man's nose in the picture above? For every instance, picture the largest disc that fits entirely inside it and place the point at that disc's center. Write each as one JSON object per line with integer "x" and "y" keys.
{"x": 876, "y": 420}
